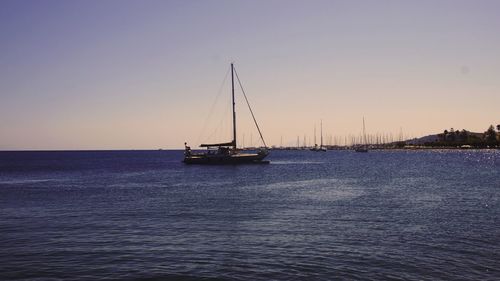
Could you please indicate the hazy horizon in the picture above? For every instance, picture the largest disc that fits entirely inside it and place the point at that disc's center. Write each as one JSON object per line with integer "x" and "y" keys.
{"x": 144, "y": 74}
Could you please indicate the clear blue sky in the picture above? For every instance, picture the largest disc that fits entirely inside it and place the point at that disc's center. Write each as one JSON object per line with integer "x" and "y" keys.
{"x": 144, "y": 74}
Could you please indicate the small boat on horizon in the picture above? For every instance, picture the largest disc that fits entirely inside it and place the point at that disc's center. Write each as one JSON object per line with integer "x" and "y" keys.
{"x": 228, "y": 153}
{"x": 320, "y": 148}
{"x": 363, "y": 147}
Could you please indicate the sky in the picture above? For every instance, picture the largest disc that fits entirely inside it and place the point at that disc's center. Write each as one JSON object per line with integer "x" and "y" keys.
{"x": 149, "y": 74}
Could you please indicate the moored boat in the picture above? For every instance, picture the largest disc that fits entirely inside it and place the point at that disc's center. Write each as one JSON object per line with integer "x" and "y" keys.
{"x": 364, "y": 147}
{"x": 319, "y": 148}
{"x": 228, "y": 153}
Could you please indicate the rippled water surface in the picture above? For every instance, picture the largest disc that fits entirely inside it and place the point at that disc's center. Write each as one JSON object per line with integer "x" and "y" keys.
{"x": 408, "y": 215}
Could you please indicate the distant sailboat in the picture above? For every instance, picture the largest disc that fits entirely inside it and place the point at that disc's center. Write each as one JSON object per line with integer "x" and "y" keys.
{"x": 363, "y": 147}
{"x": 320, "y": 148}
{"x": 228, "y": 153}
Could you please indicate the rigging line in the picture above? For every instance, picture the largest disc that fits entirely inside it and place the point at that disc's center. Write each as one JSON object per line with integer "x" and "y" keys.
{"x": 249, "y": 107}
{"x": 212, "y": 107}
{"x": 219, "y": 128}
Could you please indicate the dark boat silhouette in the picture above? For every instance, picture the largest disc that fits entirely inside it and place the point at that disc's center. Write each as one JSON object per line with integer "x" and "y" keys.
{"x": 228, "y": 153}
{"x": 364, "y": 147}
{"x": 319, "y": 148}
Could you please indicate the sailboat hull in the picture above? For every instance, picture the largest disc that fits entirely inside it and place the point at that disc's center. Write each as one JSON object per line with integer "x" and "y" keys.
{"x": 234, "y": 159}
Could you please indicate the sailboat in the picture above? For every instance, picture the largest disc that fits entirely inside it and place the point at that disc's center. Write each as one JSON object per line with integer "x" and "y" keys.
{"x": 228, "y": 153}
{"x": 320, "y": 148}
{"x": 363, "y": 148}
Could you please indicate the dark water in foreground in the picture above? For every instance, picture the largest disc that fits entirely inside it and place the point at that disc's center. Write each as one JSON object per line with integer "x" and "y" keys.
{"x": 408, "y": 215}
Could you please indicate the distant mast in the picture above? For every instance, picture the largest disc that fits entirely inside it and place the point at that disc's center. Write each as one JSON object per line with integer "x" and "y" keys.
{"x": 364, "y": 132}
{"x": 321, "y": 143}
{"x": 234, "y": 107}
{"x": 315, "y": 143}
{"x": 364, "y": 145}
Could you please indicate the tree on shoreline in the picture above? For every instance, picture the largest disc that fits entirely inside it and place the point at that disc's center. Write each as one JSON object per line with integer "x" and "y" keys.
{"x": 490, "y": 135}
{"x": 458, "y": 138}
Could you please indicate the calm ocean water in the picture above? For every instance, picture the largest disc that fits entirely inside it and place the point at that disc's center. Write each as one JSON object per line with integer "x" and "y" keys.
{"x": 128, "y": 215}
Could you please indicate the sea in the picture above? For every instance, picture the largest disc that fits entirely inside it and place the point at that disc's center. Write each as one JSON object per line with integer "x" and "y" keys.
{"x": 335, "y": 215}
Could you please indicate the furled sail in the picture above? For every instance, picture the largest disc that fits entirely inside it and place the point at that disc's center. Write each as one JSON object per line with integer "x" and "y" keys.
{"x": 232, "y": 143}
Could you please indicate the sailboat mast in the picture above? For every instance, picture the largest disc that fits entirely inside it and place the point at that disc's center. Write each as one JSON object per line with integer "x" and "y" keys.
{"x": 364, "y": 132}
{"x": 234, "y": 105}
{"x": 321, "y": 144}
{"x": 315, "y": 143}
